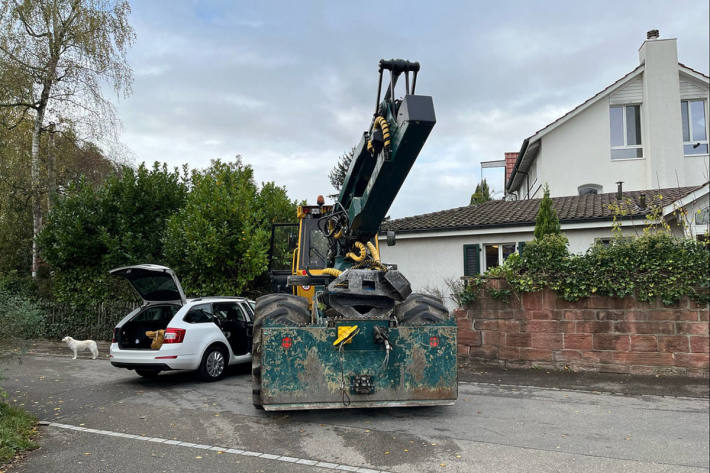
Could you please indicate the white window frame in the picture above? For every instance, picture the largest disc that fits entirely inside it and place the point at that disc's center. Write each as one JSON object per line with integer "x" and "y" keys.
{"x": 484, "y": 260}
{"x": 690, "y": 126}
{"x": 625, "y": 134}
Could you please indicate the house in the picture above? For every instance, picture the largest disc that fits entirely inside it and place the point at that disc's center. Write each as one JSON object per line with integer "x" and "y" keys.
{"x": 649, "y": 129}
{"x": 435, "y": 248}
{"x": 637, "y": 148}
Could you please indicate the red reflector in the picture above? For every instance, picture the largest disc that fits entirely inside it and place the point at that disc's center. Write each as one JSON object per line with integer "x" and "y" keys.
{"x": 433, "y": 341}
{"x": 172, "y": 357}
{"x": 174, "y": 335}
{"x": 304, "y": 272}
{"x": 286, "y": 342}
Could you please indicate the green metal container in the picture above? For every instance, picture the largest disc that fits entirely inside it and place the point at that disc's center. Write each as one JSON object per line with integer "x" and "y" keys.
{"x": 302, "y": 369}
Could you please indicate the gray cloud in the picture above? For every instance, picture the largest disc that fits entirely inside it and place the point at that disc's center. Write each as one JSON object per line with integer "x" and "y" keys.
{"x": 291, "y": 86}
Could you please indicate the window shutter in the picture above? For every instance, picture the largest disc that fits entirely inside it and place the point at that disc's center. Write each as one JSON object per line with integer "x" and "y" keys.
{"x": 521, "y": 246}
{"x": 471, "y": 260}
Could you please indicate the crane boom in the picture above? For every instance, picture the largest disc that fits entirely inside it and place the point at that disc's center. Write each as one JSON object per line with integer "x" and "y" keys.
{"x": 386, "y": 152}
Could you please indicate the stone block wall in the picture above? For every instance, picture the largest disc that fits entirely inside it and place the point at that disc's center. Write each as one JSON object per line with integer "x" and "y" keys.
{"x": 595, "y": 334}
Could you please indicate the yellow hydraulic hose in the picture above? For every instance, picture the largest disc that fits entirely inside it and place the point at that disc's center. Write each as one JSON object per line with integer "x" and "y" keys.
{"x": 373, "y": 251}
{"x": 380, "y": 123}
{"x": 332, "y": 272}
{"x": 361, "y": 256}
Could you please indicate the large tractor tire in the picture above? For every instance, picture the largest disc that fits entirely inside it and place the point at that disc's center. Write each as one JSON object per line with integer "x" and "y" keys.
{"x": 284, "y": 309}
{"x": 421, "y": 309}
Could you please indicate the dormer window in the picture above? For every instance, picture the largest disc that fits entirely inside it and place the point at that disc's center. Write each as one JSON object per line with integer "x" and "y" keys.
{"x": 625, "y": 131}
{"x": 589, "y": 189}
{"x": 695, "y": 137}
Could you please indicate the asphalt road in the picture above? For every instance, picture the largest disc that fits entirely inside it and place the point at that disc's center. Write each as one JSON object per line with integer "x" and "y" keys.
{"x": 103, "y": 417}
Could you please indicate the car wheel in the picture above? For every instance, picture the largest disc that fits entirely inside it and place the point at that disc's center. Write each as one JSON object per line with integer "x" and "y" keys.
{"x": 214, "y": 364}
{"x": 148, "y": 373}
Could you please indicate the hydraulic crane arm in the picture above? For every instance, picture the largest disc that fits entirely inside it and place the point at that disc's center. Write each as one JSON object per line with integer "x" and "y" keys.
{"x": 386, "y": 152}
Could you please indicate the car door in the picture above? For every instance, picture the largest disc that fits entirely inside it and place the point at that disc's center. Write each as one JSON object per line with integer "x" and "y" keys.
{"x": 236, "y": 322}
{"x": 248, "y": 307}
{"x": 152, "y": 282}
{"x": 202, "y": 327}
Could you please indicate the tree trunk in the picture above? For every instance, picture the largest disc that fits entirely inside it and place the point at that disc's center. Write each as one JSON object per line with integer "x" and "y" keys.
{"x": 36, "y": 190}
{"x": 51, "y": 170}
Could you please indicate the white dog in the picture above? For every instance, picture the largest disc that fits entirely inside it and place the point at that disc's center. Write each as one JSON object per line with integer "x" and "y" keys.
{"x": 76, "y": 345}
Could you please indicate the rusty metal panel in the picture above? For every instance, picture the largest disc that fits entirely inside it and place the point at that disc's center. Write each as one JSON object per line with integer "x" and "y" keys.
{"x": 302, "y": 369}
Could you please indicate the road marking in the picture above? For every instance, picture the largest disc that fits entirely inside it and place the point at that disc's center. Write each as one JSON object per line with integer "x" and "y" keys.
{"x": 233, "y": 451}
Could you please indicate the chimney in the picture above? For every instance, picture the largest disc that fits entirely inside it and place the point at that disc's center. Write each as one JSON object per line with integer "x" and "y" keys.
{"x": 510, "y": 159}
{"x": 652, "y": 34}
{"x": 619, "y": 190}
{"x": 660, "y": 110}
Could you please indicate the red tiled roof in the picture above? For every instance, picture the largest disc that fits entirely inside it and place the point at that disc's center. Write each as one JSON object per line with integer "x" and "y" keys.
{"x": 494, "y": 213}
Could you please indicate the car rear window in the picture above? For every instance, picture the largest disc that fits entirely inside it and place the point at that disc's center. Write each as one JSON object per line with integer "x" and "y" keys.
{"x": 199, "y": 314}
{"x": 161, "y": 313}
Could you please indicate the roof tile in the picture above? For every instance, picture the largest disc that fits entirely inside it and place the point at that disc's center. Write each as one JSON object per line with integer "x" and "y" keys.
{"x": 523, "y": 212}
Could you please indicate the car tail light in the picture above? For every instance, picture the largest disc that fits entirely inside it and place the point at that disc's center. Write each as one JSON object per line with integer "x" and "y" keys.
{"x": 174, "y": 335}
{"x": 433, "y": 342}
{"x": 115, "y": 334}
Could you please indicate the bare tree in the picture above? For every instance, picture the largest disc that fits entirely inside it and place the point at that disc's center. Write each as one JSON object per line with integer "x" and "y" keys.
{"x": 54, "y": 57}
{"x": 339, "y": 172}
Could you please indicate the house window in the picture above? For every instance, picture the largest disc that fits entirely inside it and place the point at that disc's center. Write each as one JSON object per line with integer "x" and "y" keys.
{"x": 588, "y": 189}
{"x": 702, "y": 216}
{"x": 695, "y": 137}
{"x": 495, "y": 254}
{"x": 625, "y": 128}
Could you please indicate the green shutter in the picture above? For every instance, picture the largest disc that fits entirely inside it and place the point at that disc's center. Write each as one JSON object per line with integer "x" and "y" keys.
{"x": 471, "y": 260}
{"x": 521, "y": 246}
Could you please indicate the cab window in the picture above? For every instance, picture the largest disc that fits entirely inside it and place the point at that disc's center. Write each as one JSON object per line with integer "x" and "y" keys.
{"x": 314, "y": 246}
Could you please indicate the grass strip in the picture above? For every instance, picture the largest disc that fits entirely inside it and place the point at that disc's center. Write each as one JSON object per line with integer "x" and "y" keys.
{"x": 17, "y": 428}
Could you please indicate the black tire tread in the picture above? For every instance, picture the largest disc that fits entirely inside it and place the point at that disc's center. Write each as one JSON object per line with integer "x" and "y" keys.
{"x": 421, "y": 309}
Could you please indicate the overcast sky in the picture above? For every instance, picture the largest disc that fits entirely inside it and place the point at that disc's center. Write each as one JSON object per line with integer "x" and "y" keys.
{"x": 291, "y": 86}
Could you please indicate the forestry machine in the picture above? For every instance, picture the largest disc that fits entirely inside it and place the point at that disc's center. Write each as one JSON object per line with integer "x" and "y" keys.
{"x": 343, "y": 328}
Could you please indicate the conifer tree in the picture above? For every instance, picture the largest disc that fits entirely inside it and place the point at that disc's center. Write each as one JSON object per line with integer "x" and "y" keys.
{"x": 482, "y": 193}
{"x": 546, "y": 222}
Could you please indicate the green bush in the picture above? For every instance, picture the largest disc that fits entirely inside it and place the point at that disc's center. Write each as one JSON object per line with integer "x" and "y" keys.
{"x": 94, "y": 229}
{"x": 218, "y": 242}
{"x": 653, "y": 265}
{"x": 20, "y": 316}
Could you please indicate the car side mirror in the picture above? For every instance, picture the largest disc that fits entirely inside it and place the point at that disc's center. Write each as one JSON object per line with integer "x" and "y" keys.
{"x": 292, "y": 242}
{"x": 391, "y": 238}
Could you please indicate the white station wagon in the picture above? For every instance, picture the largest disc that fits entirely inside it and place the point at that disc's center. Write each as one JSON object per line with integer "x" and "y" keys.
{"x": 205, "y": 334}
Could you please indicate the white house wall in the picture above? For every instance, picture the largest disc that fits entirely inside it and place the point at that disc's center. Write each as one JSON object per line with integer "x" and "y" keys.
{"x": 629, "y": 93}
{"x": 429, "y": 262}
{"x": 579, "y": 153}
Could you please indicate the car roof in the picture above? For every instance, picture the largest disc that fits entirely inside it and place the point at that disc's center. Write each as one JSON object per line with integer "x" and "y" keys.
{"x": 216, "y": 298}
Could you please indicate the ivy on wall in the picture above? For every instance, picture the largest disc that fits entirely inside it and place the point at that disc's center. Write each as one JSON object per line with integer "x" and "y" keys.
{"x": 654, "y": 265}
